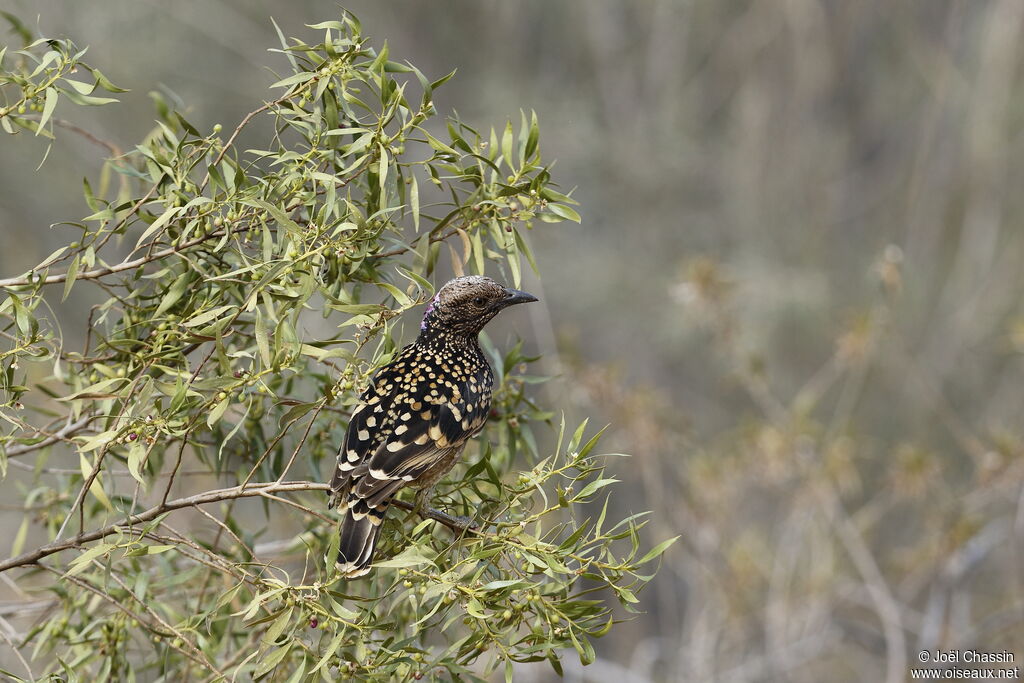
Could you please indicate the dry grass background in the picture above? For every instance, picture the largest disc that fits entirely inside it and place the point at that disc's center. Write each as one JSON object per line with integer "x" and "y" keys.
{"x": 796, "y": 293}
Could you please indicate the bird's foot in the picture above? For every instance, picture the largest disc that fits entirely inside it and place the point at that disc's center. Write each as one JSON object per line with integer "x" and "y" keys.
{"x": 459, "y": 523}
{"x": 420, "y": 508}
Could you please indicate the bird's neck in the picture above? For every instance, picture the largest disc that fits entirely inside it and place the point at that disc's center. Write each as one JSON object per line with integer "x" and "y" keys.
{"x": 434, "y": 329}
{"x": 434, "y": 335}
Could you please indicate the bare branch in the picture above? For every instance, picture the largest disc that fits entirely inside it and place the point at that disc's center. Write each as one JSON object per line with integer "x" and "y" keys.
{"x": 154, "y": 512}
{"x": 61, "y": 435}
{"x": 120, "y": 267}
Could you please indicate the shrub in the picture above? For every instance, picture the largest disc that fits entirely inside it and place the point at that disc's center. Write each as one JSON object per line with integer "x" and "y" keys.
{"x": 173, "y": 464}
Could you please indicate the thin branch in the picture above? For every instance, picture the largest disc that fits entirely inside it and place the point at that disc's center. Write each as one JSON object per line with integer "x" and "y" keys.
{"x": 114, "y": 150}
{"x": 60, "y": 435}
{"x": 17, "y": 652}
{"x": 120, "y": 267}
{"x": 213, "y": 496}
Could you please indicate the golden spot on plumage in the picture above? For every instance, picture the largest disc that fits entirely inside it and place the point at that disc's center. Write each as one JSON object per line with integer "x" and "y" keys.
{"x": 435, "y": 433}
{"x": 416, "y": 405}
{"x": 352, "y": 455}
{"x": 426, "y": 414}
{"x": 401, "y": 429}
{"x": 465, "y": 425}
{"x": 373, "y": 400}
{"x": 456, "y": 413}
{"x": 371, "y": 421}
{"x": 421, "y": 440}
{"x": 395, "y": 446}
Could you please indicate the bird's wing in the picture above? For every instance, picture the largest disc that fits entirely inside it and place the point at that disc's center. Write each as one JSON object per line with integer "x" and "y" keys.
{"x": 364, "y": 431}
{"x": 429, "y": 436}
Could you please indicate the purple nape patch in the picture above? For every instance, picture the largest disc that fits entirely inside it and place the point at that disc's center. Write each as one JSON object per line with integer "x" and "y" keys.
{"x": 430, "y": 309}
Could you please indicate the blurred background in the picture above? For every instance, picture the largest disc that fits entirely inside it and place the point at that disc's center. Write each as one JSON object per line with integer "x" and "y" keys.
{"x": 796, "y": 293}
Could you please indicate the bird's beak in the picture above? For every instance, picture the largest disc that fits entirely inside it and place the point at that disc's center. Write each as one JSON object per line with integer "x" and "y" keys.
{"x": 515, "y": 296}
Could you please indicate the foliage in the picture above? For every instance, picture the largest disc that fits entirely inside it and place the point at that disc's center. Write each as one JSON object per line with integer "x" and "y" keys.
{"x": 173, "y": 463}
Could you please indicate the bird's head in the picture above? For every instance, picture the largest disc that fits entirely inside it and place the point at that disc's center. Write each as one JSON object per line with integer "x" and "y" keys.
{"x": 464, "y": 305}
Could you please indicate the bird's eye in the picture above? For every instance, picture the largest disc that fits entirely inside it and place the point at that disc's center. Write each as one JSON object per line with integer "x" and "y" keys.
{"x": 479, "y": 301}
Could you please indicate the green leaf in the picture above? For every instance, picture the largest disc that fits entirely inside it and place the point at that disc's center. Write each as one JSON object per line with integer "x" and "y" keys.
{"x": 135, "y": 455}
{"x": 401, "y": 297}
{"x": 410, "y": 557}
{"x": 475, "y": 609}
{"x": 159, "y": 223}
{"x": 263, "y": 340}
{"x": 300, "y": 77}
{"x": 174, "y": 293}
{"x": 217, "y": 412}
{"x": 592, "y": 487}
{"x": 96, "y": 390}
{"x": 81, "y": 562}
{"x": 19, "y": 538}
{"x": 358, "y": 309}
{"x": 96, "y": 489}
{"x": 506, "y": 144}
{"x": 533, "y": 138}
{"x": 272, "y": 660}
{"x": 658, "y": 550}
{"x": 329, "y": 651}
{"x": 48, "y": 106}
{"x": 563, "y": 211}
{"x": 278, "y": 627}
{"x": 71, "y": 275}
{"x": 207, "y": 316}
{"x": 382, "y": 169}
{"x": 414, "y": 200}
{"x": 280, "y": 216}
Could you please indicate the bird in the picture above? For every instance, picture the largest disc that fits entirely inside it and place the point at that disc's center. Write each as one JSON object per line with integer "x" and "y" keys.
{"x": 414, "y": 419}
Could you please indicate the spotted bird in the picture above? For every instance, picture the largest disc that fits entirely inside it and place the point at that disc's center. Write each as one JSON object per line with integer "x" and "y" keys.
{"x": 419, "y": 411}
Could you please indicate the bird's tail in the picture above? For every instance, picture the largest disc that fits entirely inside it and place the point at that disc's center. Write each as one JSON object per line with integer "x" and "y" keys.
{"x": 360, "y": 528}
